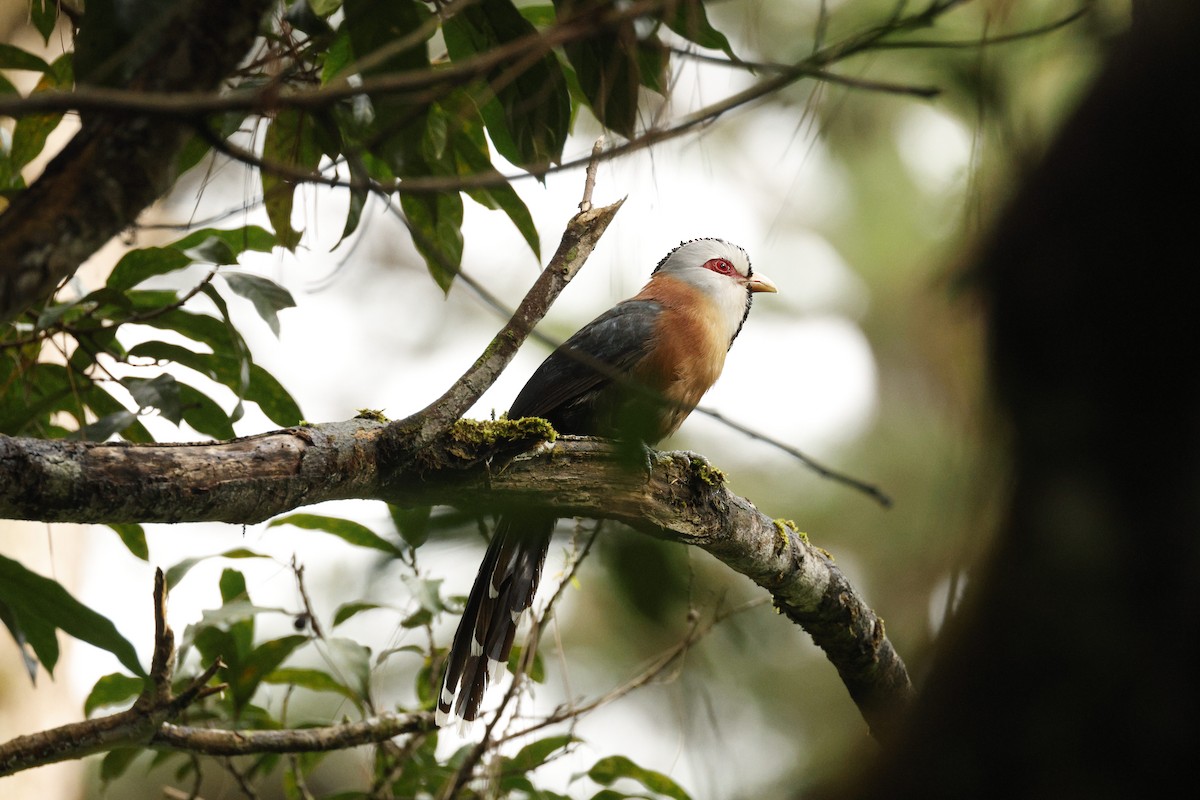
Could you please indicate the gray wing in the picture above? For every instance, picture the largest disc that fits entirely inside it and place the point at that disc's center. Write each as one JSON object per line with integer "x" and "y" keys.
{"x": 566, "y": 388}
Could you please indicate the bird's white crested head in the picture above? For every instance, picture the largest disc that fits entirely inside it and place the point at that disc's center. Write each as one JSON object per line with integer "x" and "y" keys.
{"x": 722, "y": 271}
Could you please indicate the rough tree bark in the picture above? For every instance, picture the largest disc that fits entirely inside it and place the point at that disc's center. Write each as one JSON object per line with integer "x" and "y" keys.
{"x": 680, "y": 498}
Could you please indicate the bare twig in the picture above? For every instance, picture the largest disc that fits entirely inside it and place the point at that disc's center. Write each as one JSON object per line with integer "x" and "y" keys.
{"x": 310, "y": 616}
{"x": 650, "y": 674}
{"x": 240, "y": 778}
{"x": 581, "y": 236}
{"x": 215, "y": 742}
{"x": 136, "y": 725}
{"x": 870, "y": 490}
{"x": 589, "y": 182}
{"x": 1007, "y": 38}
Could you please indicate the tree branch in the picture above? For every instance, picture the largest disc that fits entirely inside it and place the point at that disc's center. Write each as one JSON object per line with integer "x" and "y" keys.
{"x": 580, "y": 238}
{"x": 135, "y": 725}
{"x": 216, "y": 742}
{"x": 473, "y": 465}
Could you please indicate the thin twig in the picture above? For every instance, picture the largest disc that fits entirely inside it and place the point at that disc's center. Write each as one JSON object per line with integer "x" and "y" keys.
{"x": 589, "y": 182}
{"x": 870, "y": 490}
{"x": 217, "y": 742}
{"x": 649, "y": 674}
{"x": 581, "y": 236}
{"x": 1007, "y": 38}
{"x": 240, "y": 778}
{"x": 310, "y": 614}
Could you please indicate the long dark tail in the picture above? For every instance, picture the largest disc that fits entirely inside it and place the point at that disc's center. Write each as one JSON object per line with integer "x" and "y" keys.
{"x": 504, "y": 588}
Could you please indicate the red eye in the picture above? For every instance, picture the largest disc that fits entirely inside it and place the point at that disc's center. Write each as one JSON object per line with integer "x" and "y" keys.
{"x": 719, "y": 265}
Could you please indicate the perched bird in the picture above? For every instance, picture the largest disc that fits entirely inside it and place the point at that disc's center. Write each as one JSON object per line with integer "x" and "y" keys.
{"x": 633, "y": 373}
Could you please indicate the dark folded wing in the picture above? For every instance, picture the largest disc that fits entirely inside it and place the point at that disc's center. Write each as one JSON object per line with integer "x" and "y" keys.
{"x": 564, "y": 388}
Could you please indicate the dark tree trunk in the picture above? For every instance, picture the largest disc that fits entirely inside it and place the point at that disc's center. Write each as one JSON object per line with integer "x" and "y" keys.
{"x": 1070, "y": 671}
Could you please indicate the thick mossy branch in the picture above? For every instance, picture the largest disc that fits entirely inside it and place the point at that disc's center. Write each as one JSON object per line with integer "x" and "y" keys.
{"x": 246, "y": 480}
{"x": 478, "y": 465}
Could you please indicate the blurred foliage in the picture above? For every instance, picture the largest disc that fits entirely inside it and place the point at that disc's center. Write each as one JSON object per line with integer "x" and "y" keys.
{"x": 447, "y": 89}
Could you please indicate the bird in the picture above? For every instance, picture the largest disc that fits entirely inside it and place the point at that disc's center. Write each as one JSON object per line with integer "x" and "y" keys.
{"x": 632, "y": 374}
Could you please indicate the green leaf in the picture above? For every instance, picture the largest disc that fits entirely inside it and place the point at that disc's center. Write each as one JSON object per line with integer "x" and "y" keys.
{"x": 160, "y": 392}
{"x": 112, "y": 690}
{"x": 272, "y": 398}
{"x": 42, "y": 638}
{"x": 689, "y": 19}
{"x": 267, "y": 296}
{"x": 238, "y": 612}
{"x": 103, "y": 428}
{"x": 104, "y": 404}
{"x": 200, "y": 328}
{"x": 213, "y": 250}
{"x": 375, "y": 26}
{"x": 412, "y": 523}
{"x": 435, "y": 222}
{"x": 359, "y": 195}
{"x": 608, "y": 770}
{"x": 384, "y": 655}
{"x": 262, "y": 388}
{"x": 203, "y": 414}
{"x": 29, "y": 659}
{"x": 36, "y": 599}
{"x": 338, "y": 57}
{"x": 542, "y": 16}
{"x": 238, "y": 347}
{"x": 116, "y": 762}
{"x": 654, "y": 65}
{"x": 176, "y": 573}
{"x": 537, "y": 670}
{"x": 12, "y": 57}
{"x": 607, "y": 67}
{"x": 352, "y": 659}
{"x": 239, "y": 240}
{"x": 347, "y": 530}
{"x": 530, "y": 116}
{"x": 471, "y": 157}
{"x": 290, "y": 142}
{"x": 210, "y": 245}
{"x": 323, "y": 8}
{"x": 427, "y": 592}
{"x": 261, "y": 661}
{"x": 44, "y": 16}
{"x": 347, "y": 610}
{"x": 237, "y": 609}
{"x": 134, "y": 538}
{"x": 54, "y": 312}
{"x": 312, "y": 679}
{"x": 147, "y": 262}
{"x": 35, "y": 393}
{"x": 534, "y": 754}
{"x": 31, "y": 132}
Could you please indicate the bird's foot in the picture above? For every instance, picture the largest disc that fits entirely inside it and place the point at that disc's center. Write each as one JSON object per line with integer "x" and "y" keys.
{"x": 637, "y": 454}
{"x": 702, "y": 468}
